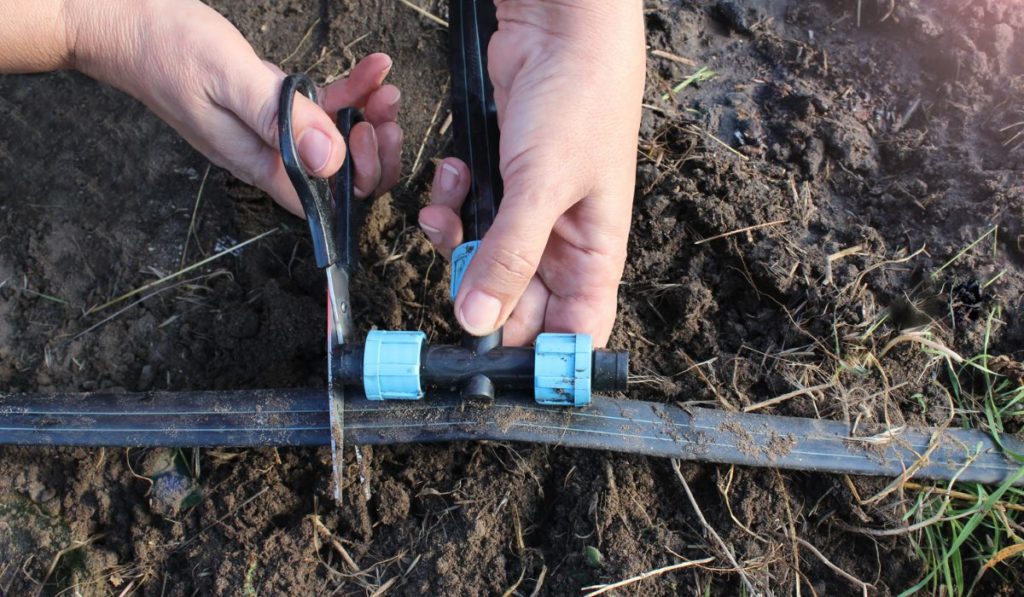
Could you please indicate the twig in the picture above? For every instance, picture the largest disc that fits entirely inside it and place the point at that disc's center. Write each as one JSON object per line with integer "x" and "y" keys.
{"x": 787, "y": 396}
{"x": 622, "y": 583}
{"x": 192, "y": 222}
{"x": 384, "y": 587}
{"x": 739, "y": 231}
{"x": 863, "y": 585}
{"x": 338, "y": 547}
{"x": 854, "y": 250}
{"x": 711, "y": 531}
{"x": 180, "y": 272}
{"x": 424, "y": 12}
{"x": 673, "y": 57}
{"x": 515, "y": 587}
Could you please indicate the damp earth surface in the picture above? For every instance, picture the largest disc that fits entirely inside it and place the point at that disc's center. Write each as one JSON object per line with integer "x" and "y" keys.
{"x": 796, "y": 213}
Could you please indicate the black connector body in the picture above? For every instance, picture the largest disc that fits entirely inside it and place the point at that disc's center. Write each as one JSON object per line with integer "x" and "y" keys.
{"x": 504, "y": 367}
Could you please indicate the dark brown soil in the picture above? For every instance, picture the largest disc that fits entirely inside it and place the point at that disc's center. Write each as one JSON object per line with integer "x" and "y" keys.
{"x": 879, "y": 151}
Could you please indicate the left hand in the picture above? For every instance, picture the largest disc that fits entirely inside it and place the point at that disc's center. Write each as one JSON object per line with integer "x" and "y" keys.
{"x": 196, "y": 71}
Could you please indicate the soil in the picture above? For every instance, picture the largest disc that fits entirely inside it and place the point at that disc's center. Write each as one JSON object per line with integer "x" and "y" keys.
{"x": 861, "y": 153}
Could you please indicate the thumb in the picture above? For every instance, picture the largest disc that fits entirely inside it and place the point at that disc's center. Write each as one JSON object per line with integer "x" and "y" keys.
{"x": 253, "y": 95}
{"x": 506, "y": 261}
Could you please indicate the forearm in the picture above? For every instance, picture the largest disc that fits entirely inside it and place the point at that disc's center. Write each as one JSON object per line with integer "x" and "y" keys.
{"x": 34, "y": 36}
{"x": 87, "y": 35}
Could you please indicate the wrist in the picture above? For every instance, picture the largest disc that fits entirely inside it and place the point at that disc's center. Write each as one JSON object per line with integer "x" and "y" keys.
{"x": 100, "y": 36}
{"x": 576, "y": 19}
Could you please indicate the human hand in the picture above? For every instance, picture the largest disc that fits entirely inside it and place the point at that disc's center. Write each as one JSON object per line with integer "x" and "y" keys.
{"x": 568, "y": 83}
{"x": 194, "y": 69}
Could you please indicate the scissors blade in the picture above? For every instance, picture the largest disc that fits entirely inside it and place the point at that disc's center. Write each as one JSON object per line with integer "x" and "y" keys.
{"x": 339, "y": 324}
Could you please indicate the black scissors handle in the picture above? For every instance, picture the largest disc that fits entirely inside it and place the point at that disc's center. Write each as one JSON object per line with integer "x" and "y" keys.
{"x": 330, "y": 215}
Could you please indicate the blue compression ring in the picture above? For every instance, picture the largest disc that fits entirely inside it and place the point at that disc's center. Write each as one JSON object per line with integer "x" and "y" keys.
{"x": 391, "y": 365}
{"x": 461, "y": 257}
{"x": 562, "y": 365}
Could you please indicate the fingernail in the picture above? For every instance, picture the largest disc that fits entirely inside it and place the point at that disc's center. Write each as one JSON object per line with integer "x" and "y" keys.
{"x": 479, "y": 313}
{"x": 449, "y": 177}
{"x": 315, "y": 149}
{"x": 395, "y": 96}
{"x": 432, "y": 233}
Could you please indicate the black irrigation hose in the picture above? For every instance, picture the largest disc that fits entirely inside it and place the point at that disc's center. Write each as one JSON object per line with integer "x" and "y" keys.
{"x": 299, "y": 417}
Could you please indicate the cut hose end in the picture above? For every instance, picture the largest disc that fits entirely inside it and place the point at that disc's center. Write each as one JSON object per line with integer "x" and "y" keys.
{"x": 611, "y": 370}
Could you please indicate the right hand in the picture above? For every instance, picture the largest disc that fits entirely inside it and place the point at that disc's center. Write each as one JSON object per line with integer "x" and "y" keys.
{"x": 568, "y": 82}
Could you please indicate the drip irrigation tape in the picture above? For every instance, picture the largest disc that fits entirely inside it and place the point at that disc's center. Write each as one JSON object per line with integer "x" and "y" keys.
{"x": 299, "y": 418}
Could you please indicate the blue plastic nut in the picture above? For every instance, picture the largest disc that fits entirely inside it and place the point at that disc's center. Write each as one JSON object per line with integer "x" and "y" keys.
{"x": 461, "y": 257}
{"x": 562, "y": 366}
{"x": 391, "y": 365}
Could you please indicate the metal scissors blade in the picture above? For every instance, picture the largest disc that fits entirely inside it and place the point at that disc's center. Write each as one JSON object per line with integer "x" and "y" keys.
{"x": 339, "y": 325}
{"x": 331, "y": 227}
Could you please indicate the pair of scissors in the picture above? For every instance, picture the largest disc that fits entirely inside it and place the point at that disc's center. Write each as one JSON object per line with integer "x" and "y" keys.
{"x": 331, "y": 212}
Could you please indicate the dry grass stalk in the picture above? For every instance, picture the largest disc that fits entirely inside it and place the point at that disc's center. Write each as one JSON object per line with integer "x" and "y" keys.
{"x": 711, "y": 530}
{"x": 673, "y": 57}
{"x": 920, "y": 337}
{"x": 740, "y": 231}
{"x": 426, "y": 135}
{"x": 540, "y": 581}
{"x": 335, "y": 544}
{"x": 960, "y": 495}
{"x": 192, "y": 222}
{"x": 787, "y": 396}
{"x": 853, "y": 579}
{"x": 601, "y": 589}
{"x": 180, "y": 272}
{"x": 298, "y": 46}
{"x": 426, "y": 13}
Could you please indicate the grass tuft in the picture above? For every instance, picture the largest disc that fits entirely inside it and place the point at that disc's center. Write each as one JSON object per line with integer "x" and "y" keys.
{"x": 702, "y": 75}
{"x": 981, "y": 530}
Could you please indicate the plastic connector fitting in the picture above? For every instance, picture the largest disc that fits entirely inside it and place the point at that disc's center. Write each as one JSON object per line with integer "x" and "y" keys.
{"x": 391, "y": 365}
{"x": 461, "y": 257}
{"x": 562, "y": 369}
